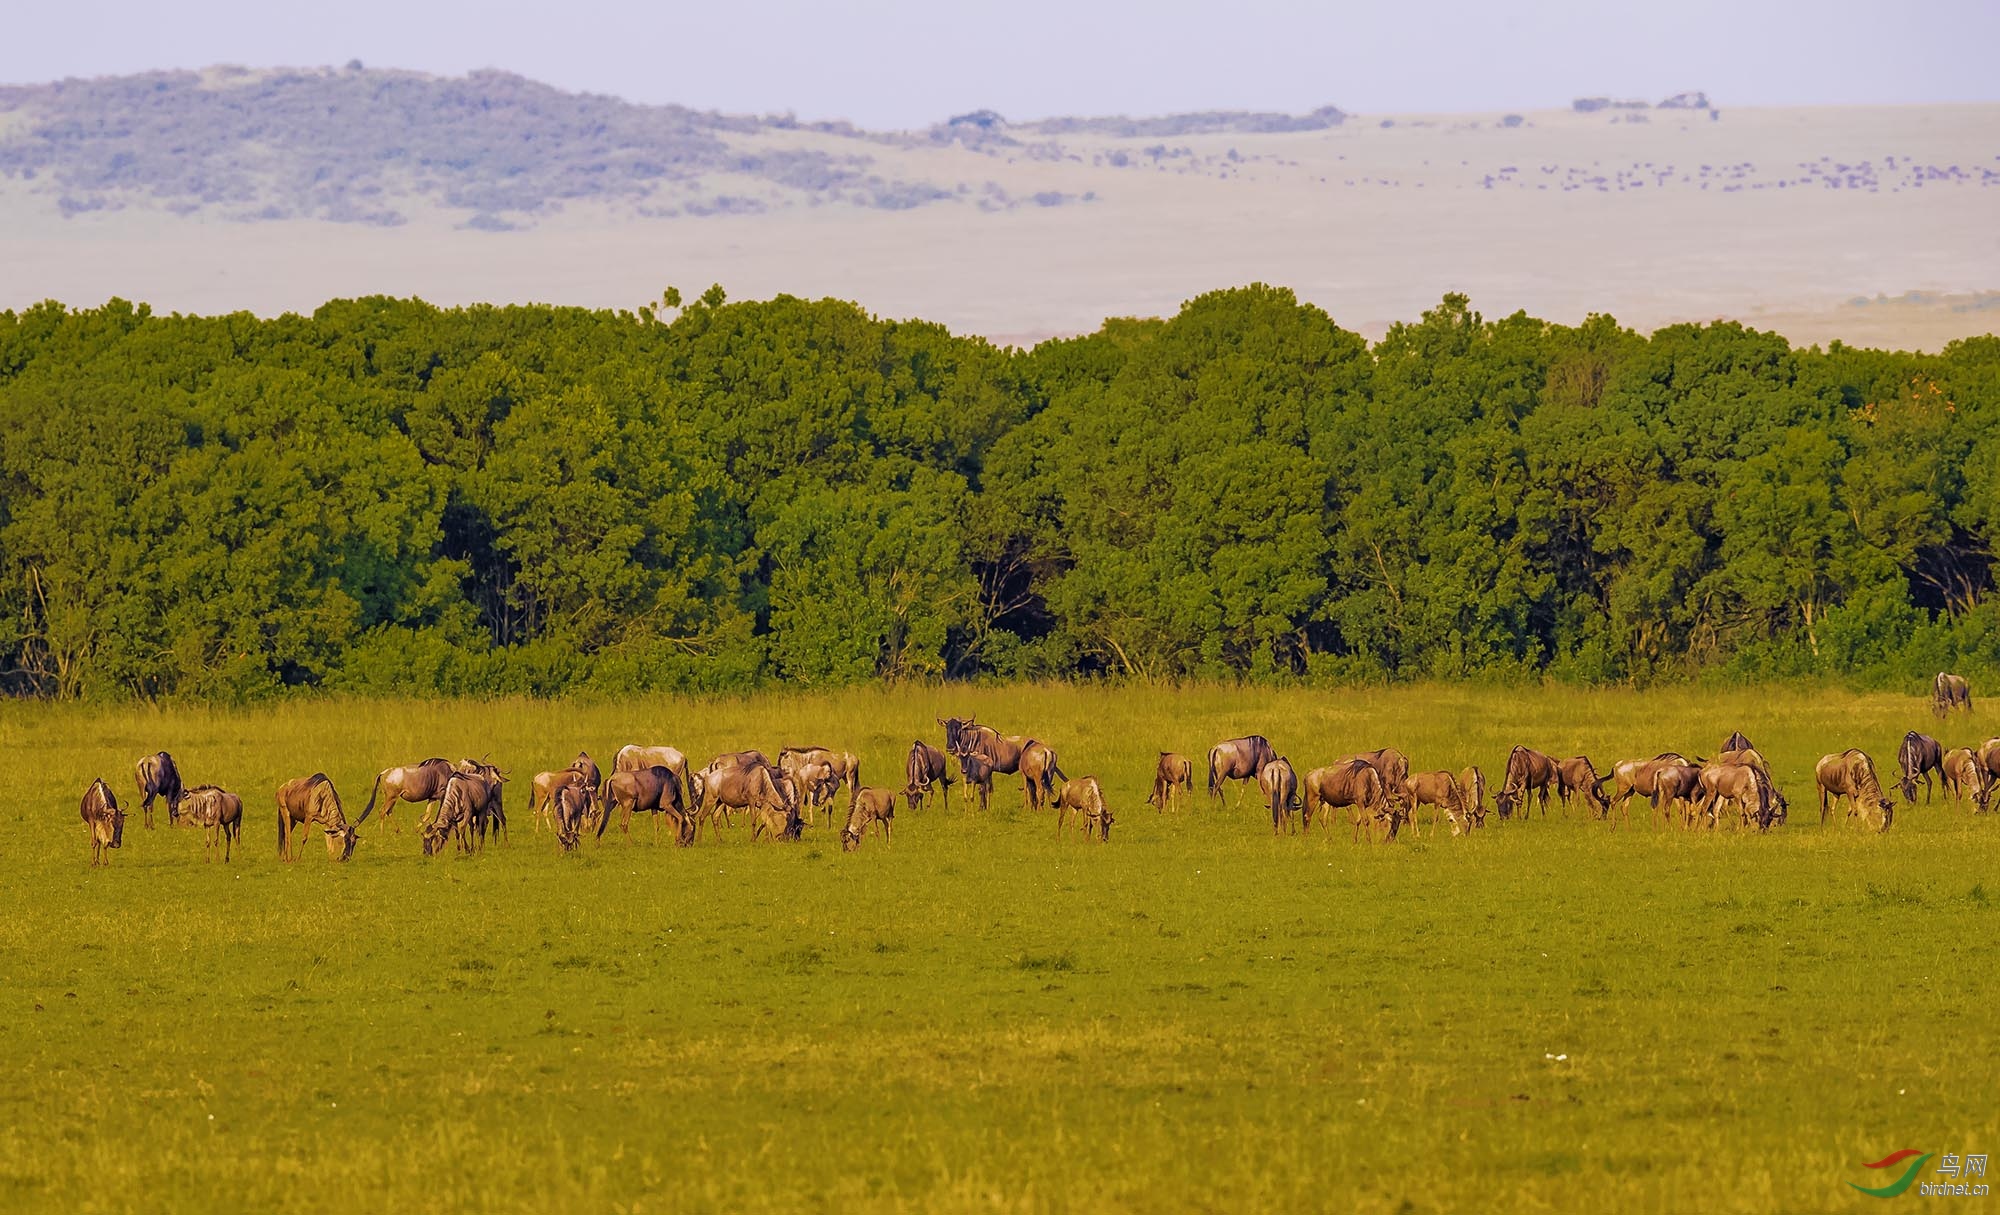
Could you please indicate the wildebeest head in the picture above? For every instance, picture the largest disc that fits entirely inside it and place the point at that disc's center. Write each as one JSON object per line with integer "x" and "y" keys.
{"x": 850, "y": 839}
{"x": 957, "y": 733}
{"x": 117, "y": 828}
{"x": 1503, "y": 801}
{"x": 340, "y": 844}
{"x": 1104, "y": 823}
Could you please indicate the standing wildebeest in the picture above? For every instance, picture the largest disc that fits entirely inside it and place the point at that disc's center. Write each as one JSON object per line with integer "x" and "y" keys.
{"x": 1745, "y": 786}
{"x": 158, "y": 777}
{"x": 1964, "y": 776}
{"x": 925, "y": 769}
{"x": 572, "y": 805}
{"x": 977, "y": 771}
{"x": 1441, "y": 791}
{"x": 1237, "y": 759}
{"x": 653, "y": 790}
{"x": 736, "y": 761}
{"x": 1084, "y": 799}
{"x": 219, "y": 813}
{"x": 632, "y": 757}
{"x": 463, "y": 803}
{"x": 1919, "y": 756}
{"x": 1662, "y": 780}
{"x": 844, "y": 765}
{"x": 489, "y": 813}
{"x": 1279, "y": 782}
{"x": 309, "y": 801}
{"x": 1039, "y": 774}
{"x": 1473, "y": 783}
{"x": 422, "y": 782}
{"x": 865, "y": 806}
{"x": 1173, "y": 777}
{"x": 99, "y": 812}
{"x": 1577, "y": 777}
{"x": 1007, "y": 755}
{"x": 1529, "y": 772}
{"x": 1950, "y": 692}
{"x": 542, "y": 792}
{"x": 1851, "y": 774}
{"x": 1354, "y": 784}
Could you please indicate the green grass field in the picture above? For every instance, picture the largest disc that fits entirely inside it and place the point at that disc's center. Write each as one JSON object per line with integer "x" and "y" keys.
{"x": 983, "y": 1016}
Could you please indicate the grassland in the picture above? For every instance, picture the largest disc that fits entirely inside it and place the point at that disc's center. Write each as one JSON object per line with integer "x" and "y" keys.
{"x": 983, "y": 1016}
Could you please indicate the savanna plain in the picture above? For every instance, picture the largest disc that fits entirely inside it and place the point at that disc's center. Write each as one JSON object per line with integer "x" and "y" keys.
{"x": 983, "y": 1015}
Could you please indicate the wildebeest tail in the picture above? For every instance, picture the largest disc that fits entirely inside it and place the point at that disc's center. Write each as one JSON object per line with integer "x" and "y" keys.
{"x": 370, "y": 807}
{"x": 1213, "y": 787}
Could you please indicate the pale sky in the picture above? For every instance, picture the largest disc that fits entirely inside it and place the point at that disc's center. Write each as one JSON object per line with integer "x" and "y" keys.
{"x": 897, "y": 63}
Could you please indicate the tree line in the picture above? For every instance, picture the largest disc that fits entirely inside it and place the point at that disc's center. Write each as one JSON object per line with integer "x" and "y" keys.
{"x": 387, "y": 496}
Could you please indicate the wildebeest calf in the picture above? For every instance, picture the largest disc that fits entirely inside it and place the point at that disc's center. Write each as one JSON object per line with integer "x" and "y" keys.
{"x": 865, "y": 806}
{"x": 1173, "y": 780}
{"x": 1083, "y": 798}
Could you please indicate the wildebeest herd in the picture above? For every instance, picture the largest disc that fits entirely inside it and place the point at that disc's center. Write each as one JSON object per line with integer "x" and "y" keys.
{"x": 1381, "y": 796}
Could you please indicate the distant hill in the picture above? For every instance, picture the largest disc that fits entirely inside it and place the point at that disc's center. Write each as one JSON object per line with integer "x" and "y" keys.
{"x": 357, "y": 145}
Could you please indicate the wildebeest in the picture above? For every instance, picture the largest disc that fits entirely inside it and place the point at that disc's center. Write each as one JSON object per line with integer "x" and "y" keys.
{"x": 1745, "y": 786}
{"x": 1354, "y": 784}
{"x": 844, "y": 765}
{"x": 158, "y": 777}
{"x": 1529, "y": 773}
{"x": 1472, "y": 782}
{"x": 926, "y": 768}
{"x": 653, "y": 790}
{"x": 572, "y": 806}
{"x": 489, "y": 814}
{"x": 1964, "y": 776}
{"x": 864, "y": 806}
{"x": 1006, "y": 755}
{"x": 1577, "y": 777}
{"x": 542, "y": 792}
{"x": 1950, "y": 692}
{"x": 1919, "y": 756}
{"x": 99, "y": 812}
{"x": 731, "y": 762}
{"x": 219, "y": 813}
{"x": 311, "y": 801}
{"x": 749, "y": 787}
{"x": 978, "y": 773}
{"x": 632, "y": 757}
{"x": 1083, "y": 800}
{"x": 1441, "y": 791}
{"x": 1851, "y": 774}
{"x": 1173, "y": 779}
{"x": 1279, "y": 782}
{"x": 420, "y": 782}
{"x": 1662, "y": 780}
{"x": 812, "y": 782}
{"x": 464, "y": 795}
{"x": 1237, "y": 759}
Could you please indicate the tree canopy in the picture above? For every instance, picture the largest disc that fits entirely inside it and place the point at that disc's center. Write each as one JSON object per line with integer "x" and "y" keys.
{"x": 388, "y": 496}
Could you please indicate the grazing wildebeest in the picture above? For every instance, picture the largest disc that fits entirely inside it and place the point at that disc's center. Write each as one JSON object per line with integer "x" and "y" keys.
{"x": 1473, "y": 782}
{"x": 463, "y": 803}
{"x": 977, "y": 771}
{"x": 1173, "y": 779}
{"x": 572, "y": 805}
{"x": 1851, "y": 774}
{"x": 812, "y": 783}
{"x": 653, "y": 790}
{"x": 158, "y": 777}
{"x": 99, "y": 812}
{"x": 542, "y": 796}
{"x": 1529, "y": 772}
{"x": 844, "y": 765}
{"x": 1237, "y": 759}
{"x": 1737, "y": 742}
{"x": 926, "y": 768}
{"x": 864, "y": 806}
{"x": 1643, "y": 777}
{"x": 1577, "y": 777}
{"x": 1745, "y": 786}
{"x": 489, "y": 813}
{"x": 737, "y": 761}
{"x": 1441, "y": 791}
{"x": 421, "y": 782}
{"x": 219, "y": 813}
{"x": 1083, "y": 798}
{"x": 308, "y": 801}
{"x": 1950, "y": 692}
{"x": 1354, "y": 784}
{"x": 1919, "y": 756}
{"x": 1279, "y": 782}
{"x": 1964, "y": 776}
{"x": 750, "y": 787}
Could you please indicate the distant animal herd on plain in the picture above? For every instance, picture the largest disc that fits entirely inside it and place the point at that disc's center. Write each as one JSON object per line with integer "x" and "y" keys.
{"x": 1378, "y": 792}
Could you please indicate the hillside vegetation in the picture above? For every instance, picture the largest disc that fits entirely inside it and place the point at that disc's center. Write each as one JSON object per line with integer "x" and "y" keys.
{"x": 385, "y": 496}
